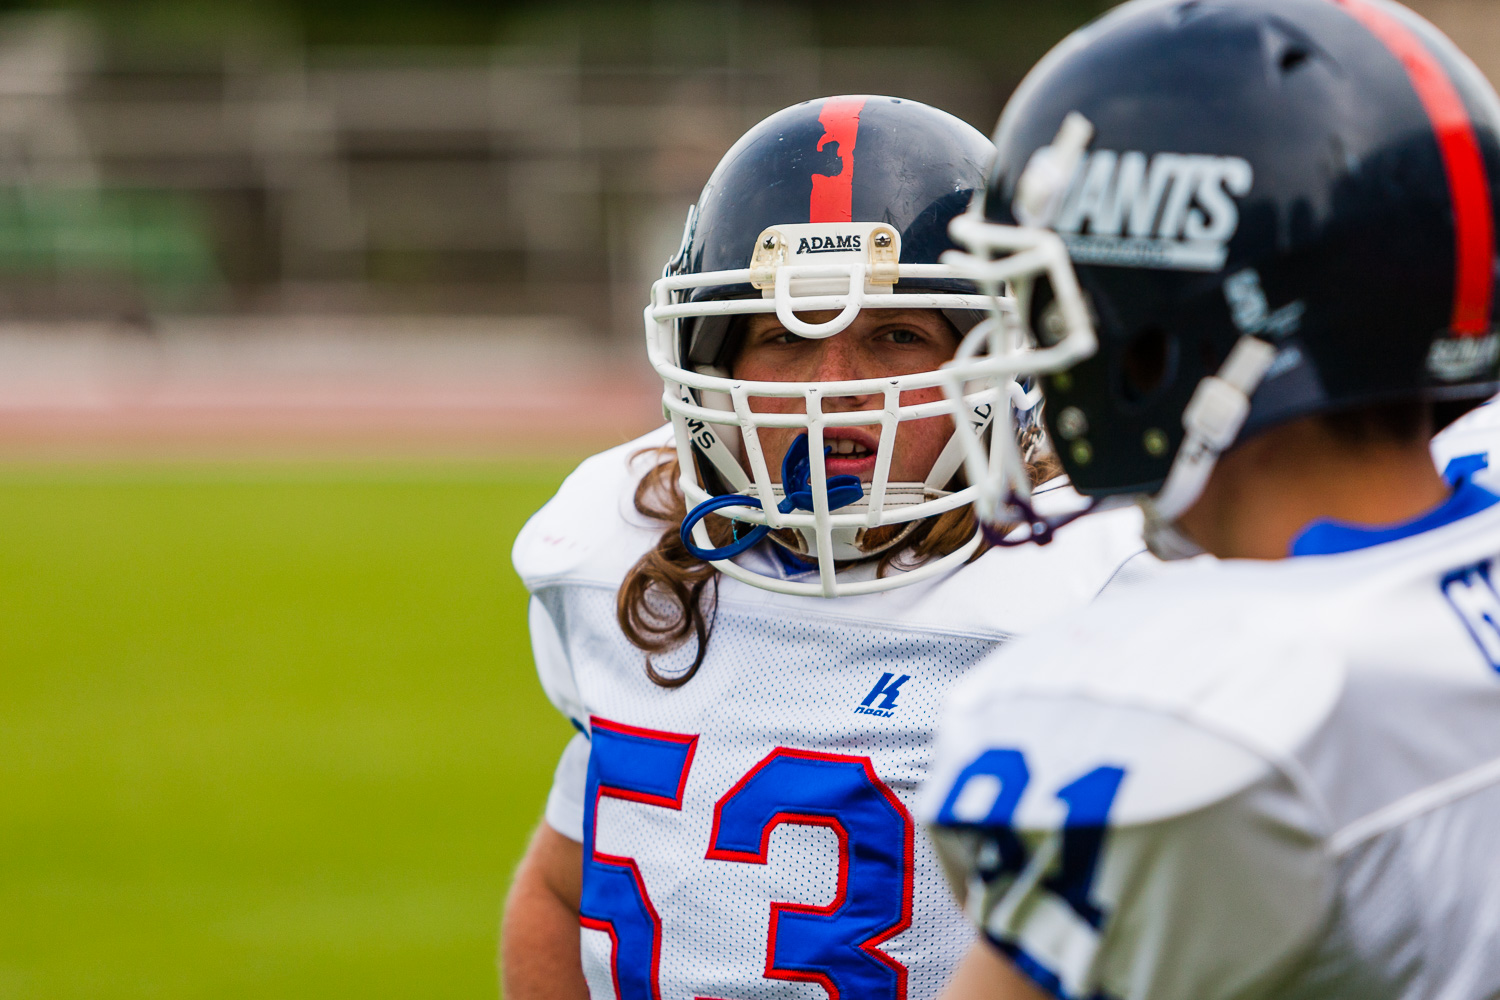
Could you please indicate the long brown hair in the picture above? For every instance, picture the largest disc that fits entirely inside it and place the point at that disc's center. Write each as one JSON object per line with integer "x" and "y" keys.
{"x": 662, "y": 601}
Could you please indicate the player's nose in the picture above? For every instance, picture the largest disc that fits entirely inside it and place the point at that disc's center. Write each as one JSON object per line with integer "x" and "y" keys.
{"x": 841, "y": 360}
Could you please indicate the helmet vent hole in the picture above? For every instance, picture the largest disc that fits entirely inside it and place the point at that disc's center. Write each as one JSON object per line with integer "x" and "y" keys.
{"x": 1147, "y": 364}
{"x": 1188, "y": 10}
{"x": 1292, "y": 58}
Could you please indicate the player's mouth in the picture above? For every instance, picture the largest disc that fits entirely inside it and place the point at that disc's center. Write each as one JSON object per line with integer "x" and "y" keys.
{"x": 850, "y": 452}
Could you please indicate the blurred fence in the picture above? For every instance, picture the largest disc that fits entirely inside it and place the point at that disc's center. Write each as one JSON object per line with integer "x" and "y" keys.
{"x": 353, "y": 248}
{"x": 487, "y": 180}
{"x": 169, "y": 209}
{"x": 271, "y": 179}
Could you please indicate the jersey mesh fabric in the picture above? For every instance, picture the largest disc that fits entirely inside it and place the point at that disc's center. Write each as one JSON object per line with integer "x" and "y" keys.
{"x": 768, "y": 682}
{"x": 781, "y": 672}
{"x": 1410, "y": 923}
{"x": 565, "y": 801}
{"x": 1367, "y": 684}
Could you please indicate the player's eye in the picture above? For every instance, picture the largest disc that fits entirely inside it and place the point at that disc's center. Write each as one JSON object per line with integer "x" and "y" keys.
{"x": 774, "y": 335}
{"x": 901, "y": 335}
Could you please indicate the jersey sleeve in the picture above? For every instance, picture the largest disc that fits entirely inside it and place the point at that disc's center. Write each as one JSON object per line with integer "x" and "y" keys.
{"x": 553, "y": 667}
{"x": 587, "y": 535}
{"x": 1115, "y": 853}
{"x": 565, "y": 801}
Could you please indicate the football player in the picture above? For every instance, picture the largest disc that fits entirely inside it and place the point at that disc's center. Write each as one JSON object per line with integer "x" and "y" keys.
{"x": 750, "y": 615}
{"x": 1270, "y": 225}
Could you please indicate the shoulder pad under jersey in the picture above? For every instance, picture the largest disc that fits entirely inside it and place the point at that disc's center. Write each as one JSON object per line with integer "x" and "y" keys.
{"x": 590, "y": 531}
{"x": 1016, "y": 590}
{"x": 1222, "y": 689}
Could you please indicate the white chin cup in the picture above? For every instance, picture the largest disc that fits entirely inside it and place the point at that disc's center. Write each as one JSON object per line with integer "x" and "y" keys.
{"x": 1213, "y": 420}
{"x": 853, "y": 544}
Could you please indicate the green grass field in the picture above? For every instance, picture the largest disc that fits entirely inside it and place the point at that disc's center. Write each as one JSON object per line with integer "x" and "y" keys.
{"x": 264, "y": 731}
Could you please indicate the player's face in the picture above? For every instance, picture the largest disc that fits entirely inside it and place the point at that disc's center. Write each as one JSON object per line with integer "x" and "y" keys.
{"x": 879, "y": 343}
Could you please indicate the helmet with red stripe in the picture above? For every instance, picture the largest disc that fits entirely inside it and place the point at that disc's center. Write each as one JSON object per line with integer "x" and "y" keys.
{"x": 1260, "y": 210}
{"x": 822, "y": 211}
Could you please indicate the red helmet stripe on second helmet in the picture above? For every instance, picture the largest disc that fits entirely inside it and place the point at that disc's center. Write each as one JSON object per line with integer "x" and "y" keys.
{"x": 833, "y": 196}
{"x": 1468, "y": 188}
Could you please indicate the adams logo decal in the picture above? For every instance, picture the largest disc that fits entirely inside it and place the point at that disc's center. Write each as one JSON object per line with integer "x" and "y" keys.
{"x": 828, "y": 244}
{"x": 1171, "y": 211}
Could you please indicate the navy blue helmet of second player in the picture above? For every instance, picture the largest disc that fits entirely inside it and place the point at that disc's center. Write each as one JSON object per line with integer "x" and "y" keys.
{"x": 1260, "y": 210}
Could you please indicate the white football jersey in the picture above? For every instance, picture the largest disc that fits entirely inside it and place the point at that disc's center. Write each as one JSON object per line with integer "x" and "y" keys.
{"x": 748, "y": 835}
{"x": 1246, "y": 779}
{"x": 1465, "y": 447}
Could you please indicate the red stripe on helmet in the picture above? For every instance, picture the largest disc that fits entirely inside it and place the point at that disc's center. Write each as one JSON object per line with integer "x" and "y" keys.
{"x": 833, "y": 197}
{"x": 1468, "y": 185}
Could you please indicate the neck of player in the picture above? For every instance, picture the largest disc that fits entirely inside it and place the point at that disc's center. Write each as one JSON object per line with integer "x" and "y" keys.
{"x": 1264, "y": 492}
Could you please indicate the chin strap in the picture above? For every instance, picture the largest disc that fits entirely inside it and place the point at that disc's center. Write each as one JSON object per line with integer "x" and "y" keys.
{"x": 1040, "y": 529}
{"x": 1165, "y": 540}
{"x": 1213, "y": 420}
{"x": 796, "y": 481}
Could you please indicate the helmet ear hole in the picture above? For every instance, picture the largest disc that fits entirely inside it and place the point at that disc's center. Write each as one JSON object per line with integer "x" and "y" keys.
{"x": 1147, "y": 364}
{"x": 713, "y": 341}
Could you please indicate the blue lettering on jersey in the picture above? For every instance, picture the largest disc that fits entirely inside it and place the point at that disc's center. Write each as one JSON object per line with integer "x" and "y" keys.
{"x": 1472, "y": 594}
{"x": 983, "y": 800}
{"x": 1461, "y": 467}
{"x": 638, "y": 765}
{"x": 887, "y": 689}
{"x": 836, "y": 946}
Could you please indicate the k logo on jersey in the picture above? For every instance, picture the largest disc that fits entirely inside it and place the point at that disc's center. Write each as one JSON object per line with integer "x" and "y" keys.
{"x": 881, "y": 700}
{"x": 1171, "y": 211}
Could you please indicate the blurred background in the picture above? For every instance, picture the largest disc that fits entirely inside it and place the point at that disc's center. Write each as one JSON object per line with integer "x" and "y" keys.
{"x": 390, "y": 227}
{"x": 304, "y": 307}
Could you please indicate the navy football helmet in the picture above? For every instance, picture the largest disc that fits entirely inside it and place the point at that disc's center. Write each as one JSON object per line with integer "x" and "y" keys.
{"x": 838, "y": 204}
{"x": 1237, "y": 214}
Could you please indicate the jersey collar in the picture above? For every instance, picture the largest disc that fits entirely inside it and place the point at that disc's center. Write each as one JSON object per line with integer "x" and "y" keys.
{"x": 1329, "y": 537}
{"x": 793, "y": 564}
